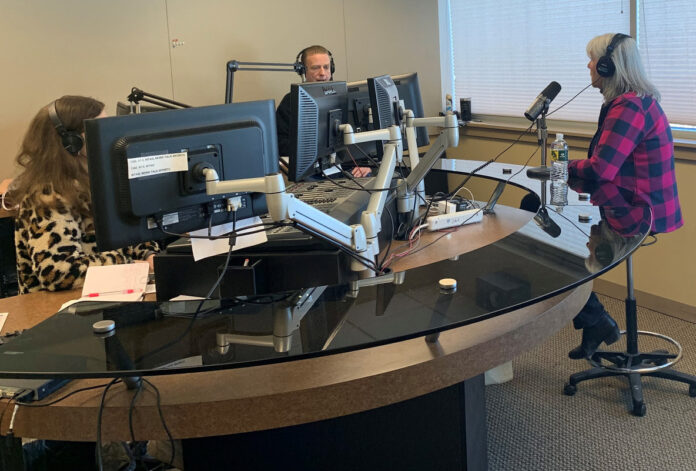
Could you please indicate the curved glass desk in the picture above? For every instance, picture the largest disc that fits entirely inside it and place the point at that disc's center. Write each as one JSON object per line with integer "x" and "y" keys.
{"x": 558, "y": 249}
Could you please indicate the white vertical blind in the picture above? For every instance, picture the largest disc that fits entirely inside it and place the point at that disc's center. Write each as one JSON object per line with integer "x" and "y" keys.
{"x": 506, "y": 52}
{"x": 667, "y": 41}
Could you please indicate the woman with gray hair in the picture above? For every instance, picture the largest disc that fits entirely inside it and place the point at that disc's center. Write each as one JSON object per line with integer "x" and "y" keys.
{"x": 633, "y": 149}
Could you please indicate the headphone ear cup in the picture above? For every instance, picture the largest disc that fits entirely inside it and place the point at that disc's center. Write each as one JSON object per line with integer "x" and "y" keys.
{"x": 605, "y": 66}
{"x": 604, "y": 253}
{"x": 72, "y": 142}
{"x": 299, "y": 65}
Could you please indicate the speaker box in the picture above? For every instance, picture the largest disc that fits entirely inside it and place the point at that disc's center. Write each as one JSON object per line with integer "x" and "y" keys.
{"x": 500, "y": 289}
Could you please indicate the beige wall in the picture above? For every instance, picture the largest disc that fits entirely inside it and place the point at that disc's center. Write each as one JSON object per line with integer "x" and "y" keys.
{"x": 103, "y": 48}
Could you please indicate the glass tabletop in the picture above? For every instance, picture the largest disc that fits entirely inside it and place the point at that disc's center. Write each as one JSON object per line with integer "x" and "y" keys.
{"x": 560, "y": 248}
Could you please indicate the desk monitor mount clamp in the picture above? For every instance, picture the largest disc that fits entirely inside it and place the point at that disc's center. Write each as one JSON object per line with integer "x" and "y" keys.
{"x": 360, "y": 239}
{"x": 286, "y": 320}
{"x": 234, "y": 65}
{"x": 137, "y": 95}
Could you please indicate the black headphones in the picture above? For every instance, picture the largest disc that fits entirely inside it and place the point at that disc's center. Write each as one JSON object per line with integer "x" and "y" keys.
{"x": 72, "y": 141}
{"x": 300, "y": 67}
{"x": 605, "y": 65}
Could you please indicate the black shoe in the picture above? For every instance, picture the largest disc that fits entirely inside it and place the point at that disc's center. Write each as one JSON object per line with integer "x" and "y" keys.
{"x": 605, "y": 331}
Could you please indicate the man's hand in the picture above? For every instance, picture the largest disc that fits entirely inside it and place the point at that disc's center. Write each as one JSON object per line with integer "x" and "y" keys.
{"x": 361, "y": 171}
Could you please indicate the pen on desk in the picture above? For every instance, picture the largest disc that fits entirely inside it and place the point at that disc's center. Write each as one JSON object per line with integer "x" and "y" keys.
{"x": 104, "y": 293}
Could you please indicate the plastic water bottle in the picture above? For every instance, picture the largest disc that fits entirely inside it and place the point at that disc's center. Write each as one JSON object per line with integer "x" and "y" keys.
{"x": 559, "y": 171}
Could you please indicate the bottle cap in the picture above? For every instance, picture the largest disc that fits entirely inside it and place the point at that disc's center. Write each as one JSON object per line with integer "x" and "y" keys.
{"x": 559, "y": 136}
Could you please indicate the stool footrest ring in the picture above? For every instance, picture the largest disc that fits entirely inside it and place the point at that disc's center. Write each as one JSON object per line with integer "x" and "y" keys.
{"x": 628, "y": 359}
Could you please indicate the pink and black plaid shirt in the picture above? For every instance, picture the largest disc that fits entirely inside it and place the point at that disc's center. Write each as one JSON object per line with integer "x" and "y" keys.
{"x": 633, "y": 149}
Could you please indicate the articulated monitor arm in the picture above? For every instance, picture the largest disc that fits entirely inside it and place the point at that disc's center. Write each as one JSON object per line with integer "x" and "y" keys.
{"x": 449, "y": 137}
{"x": 360, "y": 239}
{"x": 282, "y": 205}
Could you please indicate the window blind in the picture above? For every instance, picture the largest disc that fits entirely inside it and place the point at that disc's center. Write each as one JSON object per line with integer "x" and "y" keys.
{"x": 505, "y": 53}
{"x": 667, "y": 43}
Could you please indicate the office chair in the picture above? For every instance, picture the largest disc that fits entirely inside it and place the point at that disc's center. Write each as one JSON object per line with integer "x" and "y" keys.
{"x": 632, "y": 363}
{"x": 8, "y": 259}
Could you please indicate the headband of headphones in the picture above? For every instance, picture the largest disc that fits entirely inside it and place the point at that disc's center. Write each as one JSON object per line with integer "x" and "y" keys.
{"x": 72, "y": 141}
{"x": 300, "y": 67}
{"x": 605, "y": 65}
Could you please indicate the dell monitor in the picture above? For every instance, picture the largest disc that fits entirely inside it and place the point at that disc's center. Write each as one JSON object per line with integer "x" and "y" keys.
{"x": 385, "y": 105}
{"x": 317, "y": 110}
{"x": 409, "y": 93}
{"x": 144, "y": 169}
{"x": 360, "y": 108}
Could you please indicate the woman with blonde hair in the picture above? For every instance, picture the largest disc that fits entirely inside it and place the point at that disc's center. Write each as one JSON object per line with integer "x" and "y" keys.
{"x": 633, "y": 149}
{"x": 54, "y": 227}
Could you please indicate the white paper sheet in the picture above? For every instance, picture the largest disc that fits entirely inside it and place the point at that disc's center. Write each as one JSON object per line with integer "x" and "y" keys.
{"x": 115, "y": 282}
{"x": 203, "y": 248}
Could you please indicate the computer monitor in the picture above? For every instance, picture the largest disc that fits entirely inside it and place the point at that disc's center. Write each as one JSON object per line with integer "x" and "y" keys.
{"x": 385, "y": 105}
{"x": 125, "y": 108}
{"x": 360, "y": 112}
{"x": 143, "y": 168}
{"x": 409, "y": 93}
{"x": 317, "y": 109}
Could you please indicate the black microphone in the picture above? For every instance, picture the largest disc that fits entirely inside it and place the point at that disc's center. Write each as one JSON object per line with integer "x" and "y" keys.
{"x": 542, "y": 101}
{"x": 545, "y": 222}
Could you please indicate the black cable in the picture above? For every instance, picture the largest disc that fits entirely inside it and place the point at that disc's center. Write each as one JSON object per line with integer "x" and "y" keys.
{"x": 195, "y": 314}
{"x": 97, "y": 448}
{"x": 576, "y": 95}
{"x": 367, "y": 156}
{"x": 164, "y": 423}
{"x": 360, "y": 186}
{"x": 130, "y": 411}
{"x": 485, "y": 164}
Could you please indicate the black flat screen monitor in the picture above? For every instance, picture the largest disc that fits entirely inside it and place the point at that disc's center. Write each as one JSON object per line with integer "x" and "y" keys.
{"x": 385, "y": 105}
{"x": 142, "y": 168}
{"x": 409, "y": 93}
{"x": 360, "y": 109}
{"x": 317, "y": 109}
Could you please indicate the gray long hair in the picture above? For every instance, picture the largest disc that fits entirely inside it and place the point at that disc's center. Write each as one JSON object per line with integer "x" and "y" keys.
{"x": 629, "y": 76}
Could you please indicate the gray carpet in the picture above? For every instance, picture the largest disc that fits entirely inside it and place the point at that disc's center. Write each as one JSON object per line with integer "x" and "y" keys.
{"x": 532, "y": 425}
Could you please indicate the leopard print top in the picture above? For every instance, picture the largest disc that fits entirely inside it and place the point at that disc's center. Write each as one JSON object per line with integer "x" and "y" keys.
{"x": 55, "y": 247}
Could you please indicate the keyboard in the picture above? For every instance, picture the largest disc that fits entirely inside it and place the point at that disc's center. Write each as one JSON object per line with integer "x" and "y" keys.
{"x": 345, "y": 203}
{"x": 328, "y": 197}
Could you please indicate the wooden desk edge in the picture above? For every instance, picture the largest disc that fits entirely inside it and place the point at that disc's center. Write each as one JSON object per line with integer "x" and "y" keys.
{"x": 301, "y": 391}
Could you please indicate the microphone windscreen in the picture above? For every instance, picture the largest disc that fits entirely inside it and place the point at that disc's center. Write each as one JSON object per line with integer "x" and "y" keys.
{"x": 552, "y": 90}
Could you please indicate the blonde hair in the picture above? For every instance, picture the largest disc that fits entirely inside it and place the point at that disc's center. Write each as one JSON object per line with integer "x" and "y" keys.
{"x": 630, "y": 75}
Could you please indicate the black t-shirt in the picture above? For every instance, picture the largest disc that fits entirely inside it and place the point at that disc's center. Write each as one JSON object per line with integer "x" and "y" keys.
{"x": 283, "y": 126}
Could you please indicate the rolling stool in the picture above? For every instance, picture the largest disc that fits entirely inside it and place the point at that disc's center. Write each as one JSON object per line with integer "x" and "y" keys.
{"x": 633, "y": 363}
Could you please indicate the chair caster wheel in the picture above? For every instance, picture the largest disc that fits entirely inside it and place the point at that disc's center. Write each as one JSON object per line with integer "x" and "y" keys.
{"x": 570, "y": 389}
{"x": 692, "y": 390}
{"x": 639, "y": 409}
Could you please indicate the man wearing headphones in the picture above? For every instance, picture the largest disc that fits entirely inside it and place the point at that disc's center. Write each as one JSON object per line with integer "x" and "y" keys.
{"x": 316, "y": 64}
